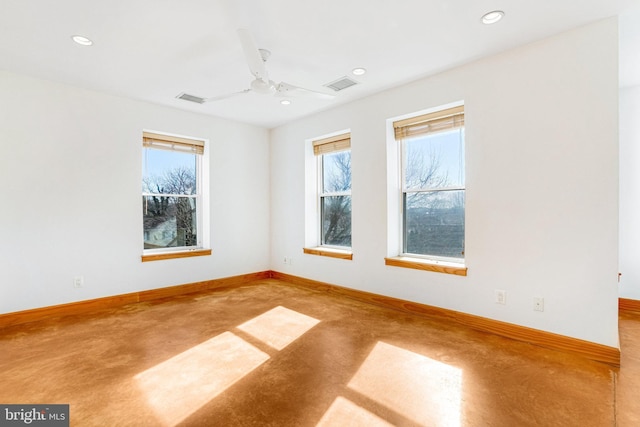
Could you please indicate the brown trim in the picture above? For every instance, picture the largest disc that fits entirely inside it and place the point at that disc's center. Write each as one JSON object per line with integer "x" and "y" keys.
{"x": 426, "y": 265}
{"x": 72, "y": 308}
{"x": 333, "y": 253}
{"x": 225, "y": 282}
{"x": 172, "y": 255}
{"x": 86, "y": 306}
{"x": 587, "y": 349}
{"x": 625, "y": 304}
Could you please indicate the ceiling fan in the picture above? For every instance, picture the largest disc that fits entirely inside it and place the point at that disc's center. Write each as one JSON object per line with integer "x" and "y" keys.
{"x": 256, "y": 60}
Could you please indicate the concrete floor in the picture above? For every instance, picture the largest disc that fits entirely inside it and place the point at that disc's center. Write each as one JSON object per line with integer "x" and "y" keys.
{"x": 270, "y": 354}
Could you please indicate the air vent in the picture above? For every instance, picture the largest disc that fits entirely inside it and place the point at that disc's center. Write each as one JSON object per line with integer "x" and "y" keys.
{"x": 191, "y": 98}
{"x": 341, "y": 84}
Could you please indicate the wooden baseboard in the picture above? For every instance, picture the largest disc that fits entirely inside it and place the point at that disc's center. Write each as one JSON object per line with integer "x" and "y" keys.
{"x": 625, "y": 304}
{"x": 115, "y": 301}
{"x": 587, "y": 349}
{"x": 225, "y": 282}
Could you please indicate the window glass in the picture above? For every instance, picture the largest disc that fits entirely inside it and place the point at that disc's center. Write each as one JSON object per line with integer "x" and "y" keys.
{"x": 434, "y": 223}
{"x": 170, "y": 199}
{"x": 433, "y": 194}
{"x": 435, "y": 160}
{"x": 336, "y": 171}
{"x": 169, "y": 172}
{"x": 169, "y": 222}
{"x": 336, "y": 220}
{"x": 335, "y": 199}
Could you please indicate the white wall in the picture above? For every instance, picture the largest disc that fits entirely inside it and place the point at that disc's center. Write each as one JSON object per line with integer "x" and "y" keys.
{"x": 70, "y": 174}
{"x": 542, "y": 187}
{"x": 630, "y": 192}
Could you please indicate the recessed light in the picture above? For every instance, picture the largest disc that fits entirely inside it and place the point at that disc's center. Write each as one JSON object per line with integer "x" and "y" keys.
{"x": 492, "y": 17}
{"x": 358, "y": 71}
{"x": 82, "y": 40}
{"x": 285, "y": 102}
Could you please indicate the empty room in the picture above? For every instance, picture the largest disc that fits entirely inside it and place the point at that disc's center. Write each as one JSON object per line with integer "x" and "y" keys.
{"x": 339, "y": 213}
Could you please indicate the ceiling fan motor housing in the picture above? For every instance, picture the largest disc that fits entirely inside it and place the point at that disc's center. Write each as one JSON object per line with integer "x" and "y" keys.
{"x": 263, "y": 87}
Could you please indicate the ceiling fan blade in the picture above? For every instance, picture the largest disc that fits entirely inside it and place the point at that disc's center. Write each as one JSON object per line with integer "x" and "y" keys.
{"x": 285, "y": 89}
{"x": 252, "y": 55}
{"x": 228, "y": 95}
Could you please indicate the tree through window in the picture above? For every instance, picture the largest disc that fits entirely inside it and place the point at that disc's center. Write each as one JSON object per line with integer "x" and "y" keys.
{"x": 171, "y": 192}
{"x": 334, "y": 192}
{"x": 433, "y": 184}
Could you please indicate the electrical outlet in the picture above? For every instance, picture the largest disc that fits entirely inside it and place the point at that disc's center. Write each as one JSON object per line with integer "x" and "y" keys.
{"x": 501, "y": 296}
{"x": 538, "y": 304}
{"x": 287, "y": 260}
{"x": 78, "y": 282}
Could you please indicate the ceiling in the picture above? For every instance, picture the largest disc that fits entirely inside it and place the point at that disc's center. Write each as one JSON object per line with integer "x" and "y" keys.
{"x": 152, "y": 50}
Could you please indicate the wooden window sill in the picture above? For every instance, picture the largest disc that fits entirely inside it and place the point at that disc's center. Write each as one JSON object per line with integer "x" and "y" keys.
{"x": 172, "y": 255}
{"x": 427, "y": 265}
{"x": 330, "y": 252}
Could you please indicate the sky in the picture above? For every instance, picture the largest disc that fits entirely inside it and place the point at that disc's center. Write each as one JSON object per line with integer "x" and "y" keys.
{"x": 449, "y": 149}
{"x": 156, "y": 162}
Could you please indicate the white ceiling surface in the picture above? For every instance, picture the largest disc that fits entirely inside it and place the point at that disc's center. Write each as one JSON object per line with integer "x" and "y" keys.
{"x": 152, "y": 50}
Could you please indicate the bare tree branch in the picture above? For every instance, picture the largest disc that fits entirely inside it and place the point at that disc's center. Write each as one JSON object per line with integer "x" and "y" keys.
{"x": 161, "y": 210}
{"x": 336, "y": 210}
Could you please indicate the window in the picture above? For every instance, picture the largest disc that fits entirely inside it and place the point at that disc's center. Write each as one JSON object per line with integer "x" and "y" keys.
{"x": 332, "y": 219}
{"x": 334, "y": 192}
{"x": 172, "y": 197}
{"x": 433, "y": 185}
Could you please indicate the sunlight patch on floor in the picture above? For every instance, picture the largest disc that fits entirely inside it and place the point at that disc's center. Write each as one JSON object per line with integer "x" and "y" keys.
{"x": 345, "y": 413}
{"x": 278, "y": 327}
{"x": 421, "y": 389}
{"x": 181, "y": 385}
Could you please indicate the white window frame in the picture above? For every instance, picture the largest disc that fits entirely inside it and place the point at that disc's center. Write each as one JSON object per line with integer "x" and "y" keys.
{"x": 322, "y": 194}
{"x": 336, "y": 141}
{"x": 201, "y": 199}
{"x": 402, "y": 244}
